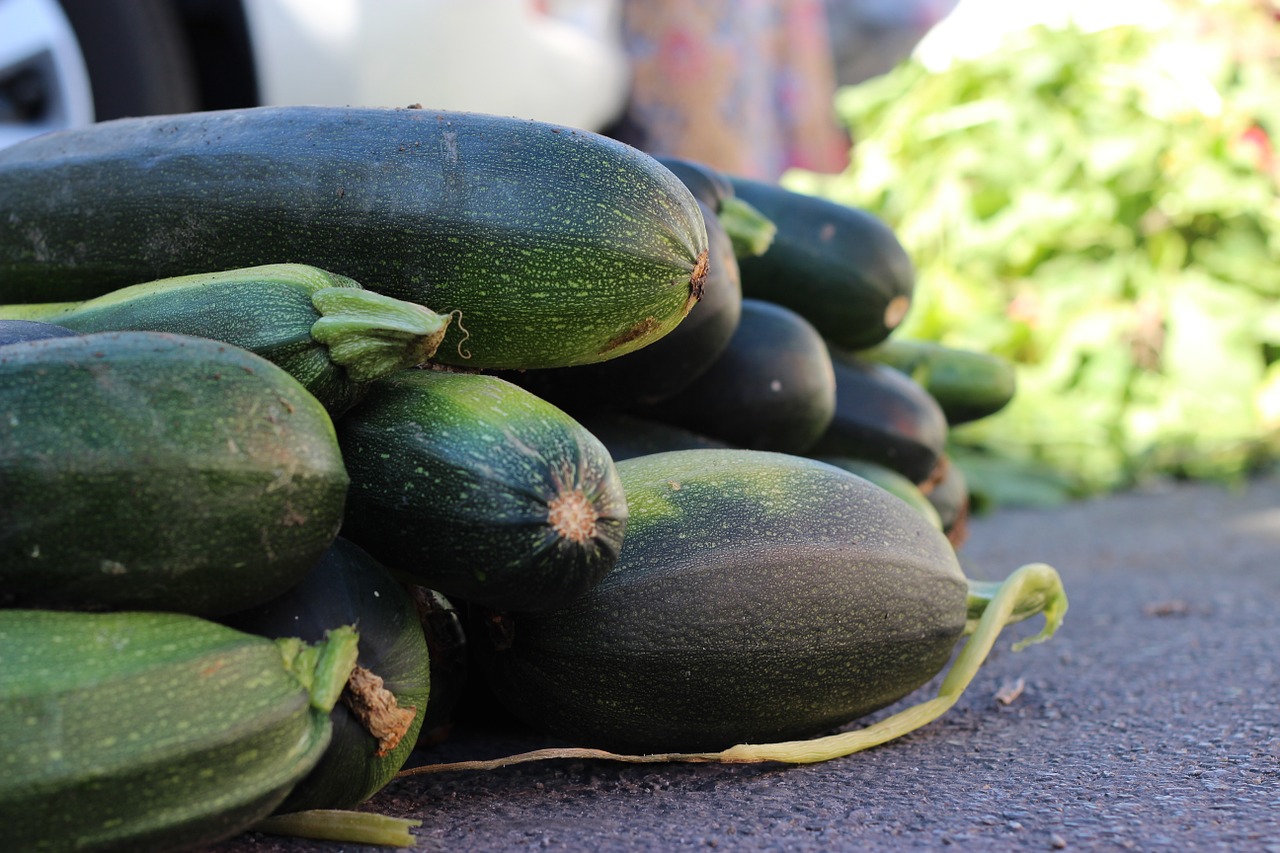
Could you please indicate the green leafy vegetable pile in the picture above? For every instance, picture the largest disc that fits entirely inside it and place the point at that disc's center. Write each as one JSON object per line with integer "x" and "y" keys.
{"x": 1102, "y": 209}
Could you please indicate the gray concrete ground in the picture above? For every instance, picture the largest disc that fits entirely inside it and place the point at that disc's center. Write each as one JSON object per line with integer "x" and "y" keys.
{"x": 1150, "y": 722}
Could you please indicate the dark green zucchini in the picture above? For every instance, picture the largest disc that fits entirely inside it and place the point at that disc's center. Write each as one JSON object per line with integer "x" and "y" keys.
{"x": 892, "y": 482}
{"x": 376, "y": 723}
{"x": 759, "y": 597}
{"x": 324, "y": 329}
{"x": 154, "y": 471}
{"x": 967, "y": 384}
{"x": 771, "y": 389}
{"x": 625, "y": 436}
{"x": 660, "y": 369}
{"x": 884, "y": 416}
{"x": 555, "y": 246}
{"x": 448, "y": 652}
{"x": 749, "y": 231}
{"x": 14, "y": 331}
{"x": 949, "y": 496}
{"x": 838, "y": 266}
{"x": 139, "y": 731}
{"x": 708, "y": 184}
{"x": 478, "y": 489}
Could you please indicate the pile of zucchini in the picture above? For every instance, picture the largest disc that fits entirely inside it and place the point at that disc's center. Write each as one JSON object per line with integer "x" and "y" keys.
{"x": 316, "y": 421}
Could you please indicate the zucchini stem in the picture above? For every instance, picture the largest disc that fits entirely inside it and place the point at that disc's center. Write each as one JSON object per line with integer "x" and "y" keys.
{"x": 750, "y": 231}
{"x": 980, "y": 595}
{"x": 372, "y": 335}
{"x": 1034, "y": 588}
{"x": 322, "y": 668}
{"x": 1045, "y": 597}
{"x": 338, "y": 652}
{"x": 339, "y": 825}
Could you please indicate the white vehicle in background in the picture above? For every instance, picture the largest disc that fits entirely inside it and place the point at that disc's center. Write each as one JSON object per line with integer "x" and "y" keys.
{"x": 67, "y": 63}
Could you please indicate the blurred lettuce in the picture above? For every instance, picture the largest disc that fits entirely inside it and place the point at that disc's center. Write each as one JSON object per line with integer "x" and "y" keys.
{"x": 1102, "y": 209}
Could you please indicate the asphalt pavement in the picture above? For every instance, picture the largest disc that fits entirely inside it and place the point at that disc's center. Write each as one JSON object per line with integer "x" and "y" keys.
{"x": 1151, "y": 721}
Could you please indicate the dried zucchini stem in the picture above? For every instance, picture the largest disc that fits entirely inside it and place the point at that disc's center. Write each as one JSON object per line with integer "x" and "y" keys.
{"x": 1034, "y": 588}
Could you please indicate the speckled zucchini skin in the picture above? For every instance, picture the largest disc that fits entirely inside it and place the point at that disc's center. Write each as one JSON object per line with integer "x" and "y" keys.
{"x": 155, "y": 471}
{"x": 891, "y": 481}
{"x": 481, "y": 490}
{"x": 558, "y": 246}
{"x": 144, "y": 731}
{"x": 662, "y": 368}
{"x": 759, "y": 597}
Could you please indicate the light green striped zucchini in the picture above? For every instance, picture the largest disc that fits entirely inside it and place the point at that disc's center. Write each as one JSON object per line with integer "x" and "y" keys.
{"x": 327, "y": 331}
{"x": 139, "y": 731}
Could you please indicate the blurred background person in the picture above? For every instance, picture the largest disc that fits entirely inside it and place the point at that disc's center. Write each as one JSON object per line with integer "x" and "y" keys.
{"x": 746, "y": 86}
{"x": 870, "y": 37}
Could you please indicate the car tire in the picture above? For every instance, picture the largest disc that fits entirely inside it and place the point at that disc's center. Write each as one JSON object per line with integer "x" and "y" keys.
{"x": 136, "y": 56}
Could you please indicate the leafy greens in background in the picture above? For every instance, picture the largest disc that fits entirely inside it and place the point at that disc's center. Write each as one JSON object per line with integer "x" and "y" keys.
{"x": 1102, "y": 210}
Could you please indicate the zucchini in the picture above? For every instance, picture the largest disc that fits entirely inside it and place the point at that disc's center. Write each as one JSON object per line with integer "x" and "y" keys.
{"x": 13, "y": 331}
{"x": 709, "y": 185}
{"x": 759, "y": 597}
{"x": 324, "y": 329}
{"x": 838, "y": 266}
{"x": 625, "y": 435}
{"x": 884, "y": 416}
{"x": 892, "y": 482}
{"x": 950, "y": 499}
{"x": 771, "y": 389}
{"x": 447, "y": 649}
{"x": 967, "y": 384}
{"x": 144, "y": 470}
{"x": 376, "y": 723}
{"x": 471, "y": 486}
{"x": 154, "y": 731}
{"x": 663, "y": 367}
{"x": 554, "y": 246}
{"x": 750, "y": 232}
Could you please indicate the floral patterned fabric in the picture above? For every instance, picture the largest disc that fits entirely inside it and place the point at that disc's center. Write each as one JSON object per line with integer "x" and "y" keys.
{"x": 746, "y": 86}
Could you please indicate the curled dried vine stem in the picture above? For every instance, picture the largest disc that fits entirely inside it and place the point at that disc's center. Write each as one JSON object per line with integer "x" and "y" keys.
{"x": 456, "y": 316}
